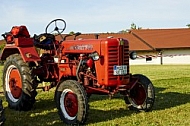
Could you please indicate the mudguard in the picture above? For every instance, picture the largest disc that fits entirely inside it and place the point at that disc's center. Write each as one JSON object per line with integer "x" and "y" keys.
{"x": 22, "y": 46}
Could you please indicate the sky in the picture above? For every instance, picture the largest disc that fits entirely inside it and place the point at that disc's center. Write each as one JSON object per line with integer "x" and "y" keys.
{"x": 98, "y": 16}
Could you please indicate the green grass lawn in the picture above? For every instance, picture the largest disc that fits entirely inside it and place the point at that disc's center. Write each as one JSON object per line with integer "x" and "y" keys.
{"x": 172, "y": 105}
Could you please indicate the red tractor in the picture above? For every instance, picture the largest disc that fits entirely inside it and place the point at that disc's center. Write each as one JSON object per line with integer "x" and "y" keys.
{"x": 77, "y": 68}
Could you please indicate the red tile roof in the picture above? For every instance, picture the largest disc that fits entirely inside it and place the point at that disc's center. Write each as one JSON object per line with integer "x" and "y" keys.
{"x": 134, "y": 43}
{"x": 149, "y": 39}
{"x": 165, "y": 38}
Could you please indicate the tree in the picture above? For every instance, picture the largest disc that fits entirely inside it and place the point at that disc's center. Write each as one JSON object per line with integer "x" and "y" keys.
{"x": 71, "y": 33}
{"x": 134, "y": 26}
{"x": 188, "y": 25}
{"x": 2, "y": 45}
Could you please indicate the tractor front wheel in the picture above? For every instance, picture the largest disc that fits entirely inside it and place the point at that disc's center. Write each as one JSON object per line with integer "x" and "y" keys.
{"x": 71, "y": 101}
{"x": 142, "y": 95}
{"x": 18, "y": 84}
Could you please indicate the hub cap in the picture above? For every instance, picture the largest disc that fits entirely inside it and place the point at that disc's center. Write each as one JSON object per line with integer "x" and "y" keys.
{"x": 69, "y": 104}
{"x": 138, "y": 94}
{"x": 13, "y": 83}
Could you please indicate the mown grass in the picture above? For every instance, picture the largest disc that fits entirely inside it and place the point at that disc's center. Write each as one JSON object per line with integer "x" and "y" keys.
{"x": 172, "y": 105}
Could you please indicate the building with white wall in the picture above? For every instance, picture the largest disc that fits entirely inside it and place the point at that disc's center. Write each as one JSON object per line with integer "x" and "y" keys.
{"x": 168, "y": 46}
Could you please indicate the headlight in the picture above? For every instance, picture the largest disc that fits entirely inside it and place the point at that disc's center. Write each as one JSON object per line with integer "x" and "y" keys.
{"x": 133, "y": 55}
{"x": 95, "y": 56}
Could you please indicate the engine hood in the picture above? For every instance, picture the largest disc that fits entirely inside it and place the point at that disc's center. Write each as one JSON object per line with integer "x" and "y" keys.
{"x": 81, "y": 46}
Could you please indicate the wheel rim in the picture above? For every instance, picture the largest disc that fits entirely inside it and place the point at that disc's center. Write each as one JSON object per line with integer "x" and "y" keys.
{"x": 69, "y": 104}
{"x": 13, "y": 83}
{"x": 138, "y": 95}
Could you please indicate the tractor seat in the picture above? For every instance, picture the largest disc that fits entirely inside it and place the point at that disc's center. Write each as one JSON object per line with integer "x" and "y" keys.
{"x": 45, "y": 41}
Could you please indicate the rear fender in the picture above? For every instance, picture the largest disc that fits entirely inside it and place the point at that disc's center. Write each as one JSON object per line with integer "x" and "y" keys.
{"x": 28, "y": 53}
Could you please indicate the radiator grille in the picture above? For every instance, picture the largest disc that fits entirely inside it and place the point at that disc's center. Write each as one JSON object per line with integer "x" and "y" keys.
{"x": 113, "y": 59}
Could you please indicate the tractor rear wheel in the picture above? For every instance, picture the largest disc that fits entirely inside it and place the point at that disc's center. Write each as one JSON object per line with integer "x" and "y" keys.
{"x": 71, "y": 101}
{"x": 18, "y": 83}
{"x": 142, "y": 95}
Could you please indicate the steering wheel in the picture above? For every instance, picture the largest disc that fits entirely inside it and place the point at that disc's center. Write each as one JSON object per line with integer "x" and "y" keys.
{"x": 55, "y": 23}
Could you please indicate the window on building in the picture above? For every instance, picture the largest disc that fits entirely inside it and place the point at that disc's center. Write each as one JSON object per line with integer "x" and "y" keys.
{"x": 148, "y": 58}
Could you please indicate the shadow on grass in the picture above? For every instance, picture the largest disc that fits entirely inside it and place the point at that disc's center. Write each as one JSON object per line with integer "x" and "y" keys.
{"x": 165, "y": 100}
{"x": 96, "y": 116}
{"x": 45, "y": 113}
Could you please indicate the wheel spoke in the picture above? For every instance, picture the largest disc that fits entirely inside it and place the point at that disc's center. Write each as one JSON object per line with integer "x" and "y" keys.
{"x": 56, "y": 23}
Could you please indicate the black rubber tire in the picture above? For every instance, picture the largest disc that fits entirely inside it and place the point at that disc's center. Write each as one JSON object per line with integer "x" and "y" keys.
{"x": 60, "y": 95}
{"x": 2, "y": 114}
{"x": 26, "y": 100}
{"x": 150, "y": 95}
